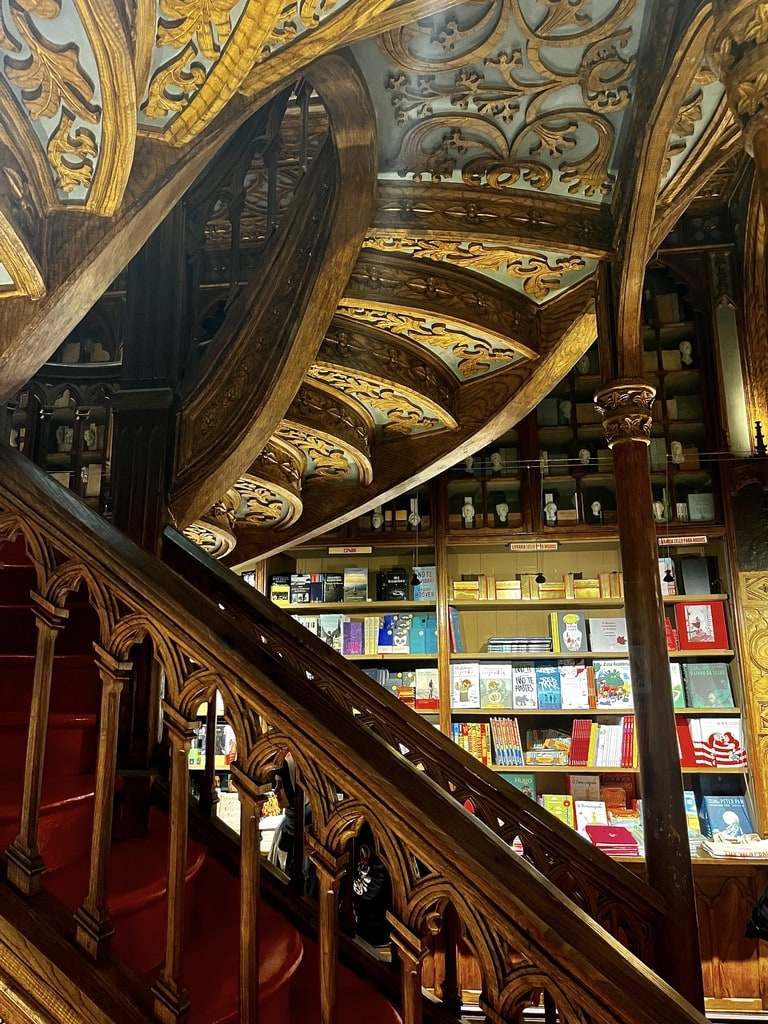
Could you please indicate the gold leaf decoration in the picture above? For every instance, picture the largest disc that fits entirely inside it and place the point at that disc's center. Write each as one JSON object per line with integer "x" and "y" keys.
{"x": 51, "y": 75}
{"x": 172, "y": 86}
{"x": 330, "y": 460}
{"x": 207, "y": 21}
{"x": 71, "y": 154}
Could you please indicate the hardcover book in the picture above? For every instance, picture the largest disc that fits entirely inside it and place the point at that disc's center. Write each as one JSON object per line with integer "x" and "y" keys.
{"x": 607, "y": 634}
{"x": 613, "y": 684}
{"x": 717, "y": 742}
{"x": 524, "y": 694}
{"x": 465, "y": 684}
{"x": 707, "y": 685}
{"x": 589, "y": 812}
{"x": 333, "y": 587}
{"x": 584, "y": 787}
{"x": 574, "y": 684}
{"x": 426, "y": 692}
{"x": 525, "y": 782}
{"x": 356, "y": 584}
{"x": 548, "y": 684}
{"x": 280, "y": 588}
{"x": 426, "y": 588}
{"x": 352, "y": 636}
{"x": 725, "y": 816}
{"x": 559, "y": 805}
{"x": 701, "y": 626}
{"x": 300, "y": 588}
{"x": 569, "y": 632}
{"x": 329, "y": 629}
{"x": 495, "y": 685}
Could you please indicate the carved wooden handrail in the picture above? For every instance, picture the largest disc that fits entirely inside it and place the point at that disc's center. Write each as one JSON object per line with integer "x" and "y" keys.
{"x": 527, "y": 936}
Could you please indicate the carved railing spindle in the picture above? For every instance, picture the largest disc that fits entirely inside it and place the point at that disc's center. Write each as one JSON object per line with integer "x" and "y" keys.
{"x": 330, "y": 871}
{"x": 92, "y": 922}
{"x": 25, "y": 864}
{"x": 251, "y": 800}
{"x": 171, "y": 998}
{"x": 411, "y": 951}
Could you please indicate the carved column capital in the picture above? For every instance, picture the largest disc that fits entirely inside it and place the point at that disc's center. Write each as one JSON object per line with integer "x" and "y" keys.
{"x": 738, "y": 51}
{"x": 625, "y": 406}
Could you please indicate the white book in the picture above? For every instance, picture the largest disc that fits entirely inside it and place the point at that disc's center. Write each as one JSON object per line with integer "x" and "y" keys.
{"x": 465, "y": 684}
{"x": 590, "y": 812}
{"x": 524, "y": 691}
{"x": 495, "y": 685}
{"x": 584, "y": 787}
{"x": 574, "y": 684}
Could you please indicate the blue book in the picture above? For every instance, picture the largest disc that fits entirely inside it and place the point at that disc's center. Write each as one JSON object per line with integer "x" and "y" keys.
{"x": 726, "y": 816}
{"x": 548, "y": 685}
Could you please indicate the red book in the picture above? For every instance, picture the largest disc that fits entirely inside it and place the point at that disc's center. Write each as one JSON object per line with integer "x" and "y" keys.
{"x": 701, "y": 626}
{"x": 685, "y": 744}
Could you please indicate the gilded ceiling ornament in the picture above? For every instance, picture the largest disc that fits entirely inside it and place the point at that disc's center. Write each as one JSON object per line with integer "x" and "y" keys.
{"x": 327, "y": 458}
{"x": 626, "y": 410}
{"x": 737, "y": 51}
{"x": 208, "y": 22}
{"x": 539, "y": 276}
{"x": 173, "y": 85}
{"x": 71, "y": 154}
{"x": 441, "y": 43}
{"x": 457, "y": 339}
{"x": 262, "y": 505}
{"x": 577, "y": 14}
{"x": 396, "y": 404}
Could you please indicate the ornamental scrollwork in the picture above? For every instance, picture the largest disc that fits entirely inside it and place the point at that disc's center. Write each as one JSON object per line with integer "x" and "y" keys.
{"x": 326, "y": 459}
{"x": 737, "y": 51}
{"x": 626, "y": 410}
{"x": 264, "y": 506}
{"x": 540, "y": 274}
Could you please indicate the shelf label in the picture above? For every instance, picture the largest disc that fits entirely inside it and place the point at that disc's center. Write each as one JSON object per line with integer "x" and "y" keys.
{"x": 352, "y": 549}
{"x": 678, "y": 541}
{"x": 533, "y": 545}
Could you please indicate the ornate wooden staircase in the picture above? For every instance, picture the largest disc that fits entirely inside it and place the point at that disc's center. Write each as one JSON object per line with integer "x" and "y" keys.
{"x": 162, "y": 921}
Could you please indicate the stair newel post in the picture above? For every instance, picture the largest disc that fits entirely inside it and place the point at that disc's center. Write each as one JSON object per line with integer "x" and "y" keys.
{"x": 25, "y": 864}
{"x": 93, "y": 926}
{"x": 451, "y": 995}
{"x": 411, "y": 951}
{"x": 330, "y": 871}
{"x": 171, "y": 998}
{"x": 251, "y": 799}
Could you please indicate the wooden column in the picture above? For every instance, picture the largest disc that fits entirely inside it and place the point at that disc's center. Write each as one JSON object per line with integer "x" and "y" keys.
{"x": 330, "y": 871}
{"x": 626, "y": 407}
{"x": 93, "y": 926}
{"x": 171, "y": 998}
{"x": 251, "y": 799}
{"x": 411, "y": 951}
{"x": 25, "y": 864}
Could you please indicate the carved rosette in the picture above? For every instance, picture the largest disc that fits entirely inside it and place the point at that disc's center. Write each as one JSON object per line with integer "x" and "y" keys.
{"x": 738, "y": 50}
{"x": 626, "y": 410}
{"x": 215, "y": 531}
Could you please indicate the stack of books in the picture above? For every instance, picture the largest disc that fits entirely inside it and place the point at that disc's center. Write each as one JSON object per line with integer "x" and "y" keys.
{"x": 518, "y": 644}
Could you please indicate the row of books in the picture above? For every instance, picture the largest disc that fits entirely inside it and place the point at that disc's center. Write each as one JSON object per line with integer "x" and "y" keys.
{"x": 527, "y": 587}
{"x": 703, "y": 743}
{"x": 417, "y": 688}
{"x": 698, "y": 625}
{"x": 352, "y": 585}
{"x": 373, "y": 635}
{"x": 577, "y": 684}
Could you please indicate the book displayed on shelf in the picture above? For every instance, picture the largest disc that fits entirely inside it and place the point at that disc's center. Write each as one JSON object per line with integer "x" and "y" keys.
{"x": 495, "y": 682}
{"x": 465, "y": 684}
{"x": 614, "y": 840}
{"x": 507, "y": 745}
{"x": 589, "y": 812}
{"x": 708, "y": 685}
{"x": 667, "y": 576}
{"x": 352, "y": 636}
{"x": 454, "y": 631}
{"x": 356, "y": 583}
{"x": 560, "y": 805}
{"x": 575, "y": 685}
{"x": 725, "y": 816}
{"x": 701, "y": 626}
{"x": 613, "y": 684}
{"x": 525, "y": 782}
{"x": 584, "y": 787}
{"x": 607, "y": 634}
{"x": 333, "y": 587}
{"x": 696, "y": 573}
{"x": 300, "y": 588}
{"x": 426, "y": 588}
{"x": 569, "y": 632}
{"x": 678, "y": 691}
{"x": 524, "y": 692}
{"x": 280, "y": 588}
{"x": 474, "y": 737}
{"x": 717, "y": 742}
{"x": 426, "y": 690}
{"x": 329, "y": 630}
{"x": 548, "y": 694}
{"x": 392, "y": 584}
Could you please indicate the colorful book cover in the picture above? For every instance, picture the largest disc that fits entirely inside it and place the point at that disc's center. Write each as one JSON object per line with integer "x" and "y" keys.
{"x": 352, "y": 636}
{"x": 280, "y": 588}
{"x": 426, "y": 588}
{"x": 524, "y": 693}
{"x": 465, "y": 684}
{"x": 333, "y": 587}
{"x": 613, "y": 684}
{"x": 525, "y": 782}
{"x": 708, "y": 685}
{"x": 701, "y": 626}
{"x": 426, "y": 690}
{"x": 725, "y": 816}
{"x": 548, "y": 685}
{"x": 495, "y": 685}
{"x": 569, "y": 632}
{"x": 574, "y": 684}
{"x": 589, "y": 812}
{"x": 607, "y": 634}
{"x": 329, "y": 630}
{"x": 717, "y": 742}
{"x": 678, "y": 691}
{"x": 559, "y": 805}
{"x": 300, "y": 587}
{"x": 356, "y": 584}
{"x": 584, "y": 787}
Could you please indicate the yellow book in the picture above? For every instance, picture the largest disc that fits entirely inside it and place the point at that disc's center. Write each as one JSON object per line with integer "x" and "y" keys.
{"x": 593, "y": 733}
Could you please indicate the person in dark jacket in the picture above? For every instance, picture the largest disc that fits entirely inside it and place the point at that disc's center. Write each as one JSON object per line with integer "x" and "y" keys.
{"x": 372, "y": 891}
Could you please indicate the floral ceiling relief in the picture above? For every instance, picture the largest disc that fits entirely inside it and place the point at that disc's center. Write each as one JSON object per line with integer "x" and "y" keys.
{"x": 533, "y": 101}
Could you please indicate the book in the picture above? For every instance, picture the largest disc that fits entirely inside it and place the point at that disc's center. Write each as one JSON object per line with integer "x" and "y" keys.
{"x": 707, "y": 685}
{"x": 584, "y": 787}
{"x": 454, "y": 631}
{"x": 667, "y": 576}
{"x": 300, "y": 588}
{"x": 574, "y": 684}
{"x": 465, "y": 684}
{"x": 352, "y": 636}
{"x": 589, "y": 812}
{"x": 329, "y": 629}
{"x": 614, "y": 840}
{"x": 678, "y": 690}
{"x": 426, "y": 588}
{"x": 524, "y": 692}
{"x": 696, "y": 572}
{"x": 548, "y": 693}
{"x": 701, "y": 626}
{"x": 426, "y": 691}
{"x": 569, "y": 632}
{"x": 525, "y": 782}
{"x": 355, "y": 584}
{"x": 392, "y": 584}
{"x": 717, "y": 742}
{"x": 280, "y": 588}
{"x": 495, "y": 685}
{"x": 607, "y": 634}
{"x": 559, "y": 805}
{"x": 724, "y": 816}
{"x": 333, "y": 587}
{"x": 316, "y": 587}
{"x": 613, "y": 684}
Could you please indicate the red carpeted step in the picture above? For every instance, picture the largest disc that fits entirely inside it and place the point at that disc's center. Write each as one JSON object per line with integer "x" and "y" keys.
{"x": 70, "y": 747}
{"x": 14, "y": 553}
{"x": 357, "y": 999}
{"x": 66, "y": 817}
{"x": 19, "y": 633}
{"x": 75, "y": 683}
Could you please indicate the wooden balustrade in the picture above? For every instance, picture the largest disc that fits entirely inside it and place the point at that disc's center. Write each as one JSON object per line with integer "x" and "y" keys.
{"x": 534, "y": 921}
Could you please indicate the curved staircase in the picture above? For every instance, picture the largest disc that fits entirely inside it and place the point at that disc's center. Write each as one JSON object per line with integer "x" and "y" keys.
{"x": 137, "y": 870}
